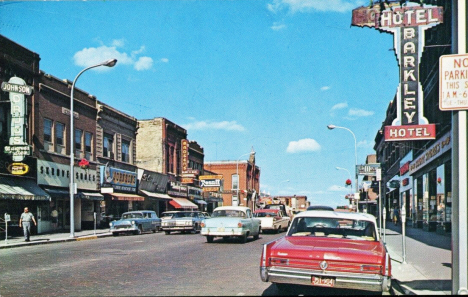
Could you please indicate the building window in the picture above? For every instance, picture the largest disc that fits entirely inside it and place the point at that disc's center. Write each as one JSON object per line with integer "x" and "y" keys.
{"x": 59, "y": 133}
{"x": 48, "y": 130}
{"x": 125, "y": 151}
{"x": 108, "y": 146}
{"x": 78, "y": 141}
{"x": 88, "y": 142}
{"x": 235, "y": 182}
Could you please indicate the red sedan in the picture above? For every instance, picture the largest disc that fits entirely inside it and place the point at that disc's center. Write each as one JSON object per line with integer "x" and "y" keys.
{"x": 329, "y": 249}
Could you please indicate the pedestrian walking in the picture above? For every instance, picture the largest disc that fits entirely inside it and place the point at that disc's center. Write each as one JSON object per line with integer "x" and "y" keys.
{"x": 25, "y": 219}
{"x": 396, "y": 213}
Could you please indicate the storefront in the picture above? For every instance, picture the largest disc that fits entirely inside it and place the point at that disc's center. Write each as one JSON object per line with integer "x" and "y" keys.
{"x": 179, "y": 195}
{"x": 432, "y": 177}
{"x": 153, "y": 185}
{"x": 119, "y": 188}
{"x": 54, "y": 179}
{"x": 16, "y": 193}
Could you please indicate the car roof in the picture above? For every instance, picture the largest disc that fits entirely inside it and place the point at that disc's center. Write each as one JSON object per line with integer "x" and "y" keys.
{"x": 337, "y": 214}
{"x": 242, "y": 208}
{"x": 320, "y": 207}
{"x": 137, "y": 211}
{"x": 177, "y": 211}
{"x": 267, "y": 210}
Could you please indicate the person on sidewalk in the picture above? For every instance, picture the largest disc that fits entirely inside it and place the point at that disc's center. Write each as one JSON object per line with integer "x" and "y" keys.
{"x": 395, "y": 215}
{"x": 25, "y": 219}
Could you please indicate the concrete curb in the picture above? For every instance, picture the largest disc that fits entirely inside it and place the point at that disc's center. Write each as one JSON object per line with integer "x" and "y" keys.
{"x": 55, "y": 240}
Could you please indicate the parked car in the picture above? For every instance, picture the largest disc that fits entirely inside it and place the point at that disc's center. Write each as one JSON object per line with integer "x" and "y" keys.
{"x": 136, "y": 222}
{"x": 272, "y": 220}
{"x": 184, "y": 221}
{"x": 231, "y": 221}
{"x": 328, "y": 249}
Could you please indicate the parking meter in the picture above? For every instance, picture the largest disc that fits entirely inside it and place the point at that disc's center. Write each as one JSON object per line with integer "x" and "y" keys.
{"x": 403, "y": 214}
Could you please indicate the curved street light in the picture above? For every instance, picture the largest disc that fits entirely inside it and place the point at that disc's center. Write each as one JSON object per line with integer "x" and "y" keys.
{"x": 331, "y": 127}
{"x": 108, "y": 63}
{"x": 237, "y": 173}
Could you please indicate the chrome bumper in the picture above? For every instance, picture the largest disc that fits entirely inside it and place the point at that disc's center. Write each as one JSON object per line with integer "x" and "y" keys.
{"x": 359, "y": 281}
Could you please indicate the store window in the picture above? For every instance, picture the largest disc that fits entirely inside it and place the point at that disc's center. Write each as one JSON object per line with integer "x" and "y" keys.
{"x": 440, "y": 198}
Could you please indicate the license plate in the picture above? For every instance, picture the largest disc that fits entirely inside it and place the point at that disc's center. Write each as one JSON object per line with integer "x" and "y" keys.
{"x": 220, "y": 229}
{"x": 323, "y": 281}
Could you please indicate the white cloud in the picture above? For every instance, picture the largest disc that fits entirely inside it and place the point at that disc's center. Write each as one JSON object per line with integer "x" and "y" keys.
{"x": 336, "y": 188}
{"x": 95, "y": 55}
{"x": 339, "y": 106}
{"x": 303, "y": 145}
{"x": 210, "y": 125}
{"x": 314, "y": 5}
{"x": 143, "y": 63}
{"x": 164, "y": 60}
{"x": 278, "y": 26}
{"x": 325, "y": 88}
{"x": 360, "y": 112}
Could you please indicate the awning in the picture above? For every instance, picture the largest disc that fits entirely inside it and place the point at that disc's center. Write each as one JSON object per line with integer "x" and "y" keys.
{"x": 127, "y": 197}
{"x": 182, "y": 203}
{"x": 58, "y": 193}
{"x": 200, "y": 201}
{"x": 91, "y": 196}
{"x": 21, "y": 188}
{"x": 156, "y": 195}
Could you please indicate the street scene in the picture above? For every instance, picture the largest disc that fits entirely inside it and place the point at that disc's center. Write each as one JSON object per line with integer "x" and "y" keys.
{"x": 206, "y": 148}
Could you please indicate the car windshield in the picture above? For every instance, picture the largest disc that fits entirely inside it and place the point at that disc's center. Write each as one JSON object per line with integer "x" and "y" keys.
{"x": 265, "y": 214}
{"x": 228, "y": 213}
{"x": 132, "y": 216}
{"x": 333, "y": 227}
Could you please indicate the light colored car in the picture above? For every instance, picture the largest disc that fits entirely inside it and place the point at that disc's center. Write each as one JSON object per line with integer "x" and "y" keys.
{"x": 183, "y": 221}
{"x": 328, "y": 249}
{"x": 272, "y": 219}
{"x": 231, "y": 221}
{"x": 136, "y": 222}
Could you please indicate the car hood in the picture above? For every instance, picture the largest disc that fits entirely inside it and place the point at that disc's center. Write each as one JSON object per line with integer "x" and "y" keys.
{"x": 328, "y": 249}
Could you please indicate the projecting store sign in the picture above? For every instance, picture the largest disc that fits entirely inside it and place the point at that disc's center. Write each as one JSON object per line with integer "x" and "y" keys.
{"x": 407, "y": 23}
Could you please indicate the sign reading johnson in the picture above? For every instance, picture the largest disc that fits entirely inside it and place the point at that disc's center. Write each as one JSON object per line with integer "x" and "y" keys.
{"x": 118, "y": 179}
{"x": 407, "y": 22}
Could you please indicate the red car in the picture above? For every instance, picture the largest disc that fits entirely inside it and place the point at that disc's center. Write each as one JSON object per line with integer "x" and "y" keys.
{"x": 328, "y": 249}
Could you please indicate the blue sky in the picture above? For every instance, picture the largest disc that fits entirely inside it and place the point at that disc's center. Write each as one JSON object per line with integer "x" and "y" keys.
{"x": 268, "y": 75}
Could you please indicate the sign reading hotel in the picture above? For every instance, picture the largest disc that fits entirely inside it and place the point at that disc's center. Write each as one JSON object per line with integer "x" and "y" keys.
{"x": 18, "y": 147}
{"x": 453, "y": 82}
{"x": 407, "y": 23}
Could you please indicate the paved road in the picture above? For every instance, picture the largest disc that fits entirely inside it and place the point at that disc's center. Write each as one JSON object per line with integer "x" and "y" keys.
{"x": 149, "y": 264}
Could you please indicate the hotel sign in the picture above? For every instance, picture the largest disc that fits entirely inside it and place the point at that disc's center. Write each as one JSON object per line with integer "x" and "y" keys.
{"x": 407, "y": 23}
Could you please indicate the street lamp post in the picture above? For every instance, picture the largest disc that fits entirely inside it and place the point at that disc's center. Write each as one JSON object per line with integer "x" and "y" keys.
{"x": 331, "y": 127}
{"x": 108, "y": 63}
{"x": 237, "y": 173}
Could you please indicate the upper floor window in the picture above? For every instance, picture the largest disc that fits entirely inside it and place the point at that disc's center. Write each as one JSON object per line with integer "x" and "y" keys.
{"x": 78, "y": 141}
{"x": 88, "y": 141}
{"x": 125, "y": 151}
{"x": 108, "y": 145}
{"x": 59, "y": 133}
{"x": 235, "y": 182}
{"x": 48, "y": 130}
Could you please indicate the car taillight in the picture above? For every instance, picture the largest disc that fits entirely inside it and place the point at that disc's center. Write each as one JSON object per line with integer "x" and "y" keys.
{"x": 239, "y": 225}
{"x": 203, "y": 225}
{"x": 371, "y": 268}
{"x": 279, "y": 261}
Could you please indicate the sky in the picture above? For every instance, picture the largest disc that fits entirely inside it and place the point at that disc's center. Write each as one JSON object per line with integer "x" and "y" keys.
{"x": 240, "y": 75}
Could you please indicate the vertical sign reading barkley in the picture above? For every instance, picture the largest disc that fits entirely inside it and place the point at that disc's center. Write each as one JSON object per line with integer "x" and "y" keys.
{"x": 18, "y": 146}
{"x": 407, "y": 22}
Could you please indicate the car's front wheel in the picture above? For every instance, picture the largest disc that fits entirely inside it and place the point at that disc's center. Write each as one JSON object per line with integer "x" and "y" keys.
{"x": 138, "y": 231}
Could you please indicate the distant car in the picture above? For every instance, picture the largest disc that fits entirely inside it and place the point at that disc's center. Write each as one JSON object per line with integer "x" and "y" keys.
{"x": 328, "y": 249}
{"x": 272, "y": 220}
{"x": 136, "y": 222}
{"x": 183, "y": 221}
{"x": 231, "y": 221}
{"x": 320, "y": 207}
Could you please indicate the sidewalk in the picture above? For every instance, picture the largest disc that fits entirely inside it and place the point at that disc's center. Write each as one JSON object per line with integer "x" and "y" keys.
{"x": 428, "y": 267}
{"x": 18, "y": 241}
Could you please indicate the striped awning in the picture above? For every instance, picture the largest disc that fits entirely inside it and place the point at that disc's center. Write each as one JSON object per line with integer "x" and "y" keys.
{"x": 182, "y": 203}
{"x": 91, "y": 196}
{"x": 21, "y": 188}
{"x": 156, "y": 195}
{"x": 127, "y": 197}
